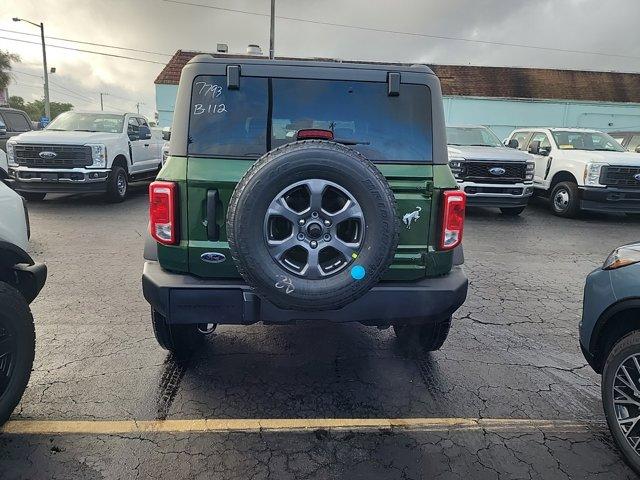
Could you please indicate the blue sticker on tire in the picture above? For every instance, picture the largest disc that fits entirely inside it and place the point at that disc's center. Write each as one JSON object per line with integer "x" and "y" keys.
{"x": 358, "y": 272}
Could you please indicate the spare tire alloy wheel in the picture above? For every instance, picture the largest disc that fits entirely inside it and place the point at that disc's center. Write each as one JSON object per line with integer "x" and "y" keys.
{"x": 312, "y": 225}
{"x": 314, "y": 228}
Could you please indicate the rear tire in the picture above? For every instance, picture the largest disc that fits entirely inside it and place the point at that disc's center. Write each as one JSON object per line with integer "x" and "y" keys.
{"x": 512, "y": 211}
{"x": 428, "y": 337}
{"x": 117, "y": 185}
{"x": 180, "y": 340}
{"x": 17, "y": 348}
{"x": 33, "y": 196}
{"x": 565, "y": 199}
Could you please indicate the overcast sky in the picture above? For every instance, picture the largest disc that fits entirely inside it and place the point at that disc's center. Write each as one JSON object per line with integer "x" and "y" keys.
{"x": 609, "y": 27}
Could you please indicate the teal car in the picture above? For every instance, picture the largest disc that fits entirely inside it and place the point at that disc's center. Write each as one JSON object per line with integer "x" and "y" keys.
{"x": 610, "y": 341}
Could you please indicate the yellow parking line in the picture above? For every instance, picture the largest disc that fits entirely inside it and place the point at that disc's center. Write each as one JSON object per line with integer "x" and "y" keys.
{"x": 205, "y": 425}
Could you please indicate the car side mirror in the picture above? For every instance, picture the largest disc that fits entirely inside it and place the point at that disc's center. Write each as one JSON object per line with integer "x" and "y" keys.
{"x": 513, "y": 143}
{"x": 534, "y": 147}
{"x": 144, "y": 132}
{"x": 3, "y": 131}
{"x": 638, "y": 149}
{"x": 166, "y": 133}
{"x": 133, "y": 131}
{"x": 544, "y": 151}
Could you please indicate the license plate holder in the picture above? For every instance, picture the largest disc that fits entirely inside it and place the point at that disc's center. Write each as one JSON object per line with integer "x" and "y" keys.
{"x": 49, "y": 177}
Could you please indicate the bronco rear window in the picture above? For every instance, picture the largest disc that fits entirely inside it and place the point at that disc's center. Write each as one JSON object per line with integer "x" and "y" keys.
{"x": 263, "y": 114}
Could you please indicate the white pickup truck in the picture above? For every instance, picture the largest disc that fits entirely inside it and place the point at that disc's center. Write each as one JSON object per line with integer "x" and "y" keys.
{"x": 92, "y": 152}
{"x": 581, "y": 169}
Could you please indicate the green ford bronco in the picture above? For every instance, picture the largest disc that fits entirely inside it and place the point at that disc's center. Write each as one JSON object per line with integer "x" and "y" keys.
{"x": 305, "y": 190}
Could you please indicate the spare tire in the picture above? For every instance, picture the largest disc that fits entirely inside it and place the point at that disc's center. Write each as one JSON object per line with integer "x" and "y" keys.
{"x": 312, "y": 225}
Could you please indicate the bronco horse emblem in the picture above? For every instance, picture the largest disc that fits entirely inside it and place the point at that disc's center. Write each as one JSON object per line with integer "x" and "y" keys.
{"x": 411, "y": 217}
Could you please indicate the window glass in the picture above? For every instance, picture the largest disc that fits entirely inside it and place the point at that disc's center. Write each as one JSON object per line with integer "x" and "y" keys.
{"x": 472, "y": 136}
{"x": 619, "y": 139}
{"x": 87, "y": 122}
{"x": 521, "y": 137}
{"x": 360, "y": 114}
{"x": 634, "y": 143}
{"x": 2, "y": 124}
{"x": 228, "y": 122}
{"x": 16, "y": 122}
{"x": 542, "y": 138}
{"x": 142, "y": 122}
{"x": 572, "y": 140}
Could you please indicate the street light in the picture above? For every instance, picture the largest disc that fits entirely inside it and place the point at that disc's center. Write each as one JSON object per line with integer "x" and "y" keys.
{"x": 47, "y": 106}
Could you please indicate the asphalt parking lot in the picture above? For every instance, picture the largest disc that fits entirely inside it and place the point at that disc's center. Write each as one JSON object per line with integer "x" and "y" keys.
{"x": 509, "y": 395}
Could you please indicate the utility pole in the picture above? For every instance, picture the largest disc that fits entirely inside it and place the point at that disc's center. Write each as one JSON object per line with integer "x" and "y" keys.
{"x": 138, "y": 106}
{"x": 101, "y": 103}
{"x": 272, "y": 30}
{"x": 47, "y": 105}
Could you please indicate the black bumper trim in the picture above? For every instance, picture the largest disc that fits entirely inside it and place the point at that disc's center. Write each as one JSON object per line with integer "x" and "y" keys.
{"x": 185, "y": 299}
{"x": 482, "y": 201}
{"x": 51, "y": 187}
{"x": 30, "y": 279}
{"x": 621, "y": 200}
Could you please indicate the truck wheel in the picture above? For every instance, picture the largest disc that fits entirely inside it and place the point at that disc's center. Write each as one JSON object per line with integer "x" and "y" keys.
{"x": 17, "y": 348}
{"x": 621, "y": 397}
{"x": 117, "y": 185}
{"x": 565, "y": 199}
{"x": 428, "y": 337}
{"x": 312, "y": 225}
{"x": 178, "y": 339}
{"x": 33, "y": 196}
{"x": 512, "y": 211}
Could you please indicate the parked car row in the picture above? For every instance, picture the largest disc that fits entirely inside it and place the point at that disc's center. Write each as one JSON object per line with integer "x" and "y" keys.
{"x": 91, "y": 152}
{"x": 576, "y": 169}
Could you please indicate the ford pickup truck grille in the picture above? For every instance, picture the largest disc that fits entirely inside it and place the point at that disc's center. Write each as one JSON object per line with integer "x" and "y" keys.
{"x": 66, "y": 156}
{"x": 505, "y": 172}
{"x": 623, "y": 177}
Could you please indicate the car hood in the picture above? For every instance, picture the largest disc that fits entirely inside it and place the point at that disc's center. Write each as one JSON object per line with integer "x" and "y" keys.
{"x": 69, "y": 138}
{"x": 612, "y": 158}
{"x": 502, "y": 154}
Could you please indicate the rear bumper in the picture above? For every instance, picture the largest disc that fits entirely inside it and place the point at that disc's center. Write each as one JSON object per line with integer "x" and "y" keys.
{"x": 610, "y": 199}
{"x": 185, "y": 299}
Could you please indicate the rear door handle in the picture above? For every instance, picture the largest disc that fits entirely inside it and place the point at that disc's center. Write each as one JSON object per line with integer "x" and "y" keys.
{"x": 213, "y": 230}
{"x": 146, "y": 144}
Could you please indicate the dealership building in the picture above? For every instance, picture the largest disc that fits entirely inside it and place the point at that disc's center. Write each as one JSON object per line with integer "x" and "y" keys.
{"x": 503, "y": 98}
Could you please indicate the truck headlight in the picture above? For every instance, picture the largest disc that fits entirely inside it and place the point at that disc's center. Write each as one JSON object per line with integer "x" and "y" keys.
{"x": 528, "y": 176}
{"x": 622, "y": 256}
{"x": 11, "y": 154}
{"x": 457, "y": 167}
{"x": 592, "y": 174}
{"x": 99, "y": 155}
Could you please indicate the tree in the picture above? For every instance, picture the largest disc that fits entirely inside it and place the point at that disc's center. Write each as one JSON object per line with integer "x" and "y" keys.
{"x": 6, "y": 59}
{"x": 16, "y": 102}
{"x": 35, "y": 109}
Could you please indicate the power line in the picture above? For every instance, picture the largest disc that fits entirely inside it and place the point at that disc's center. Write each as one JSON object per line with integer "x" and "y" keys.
{"x": 85, "y": 51}
{"x": 87, "y": 43}
{"x": 399, "y": 32}
{"x": 78, "y": 94}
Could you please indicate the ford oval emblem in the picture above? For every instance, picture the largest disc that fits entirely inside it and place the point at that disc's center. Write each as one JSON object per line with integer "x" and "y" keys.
{"x": 213, "y": 257}
{"x": 47, "y": 155}
{"x": 497, "y": 171}
{"x": 637, "y": 177}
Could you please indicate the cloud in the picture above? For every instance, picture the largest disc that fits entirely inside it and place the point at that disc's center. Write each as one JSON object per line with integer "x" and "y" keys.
{"x": 590, "y": 25}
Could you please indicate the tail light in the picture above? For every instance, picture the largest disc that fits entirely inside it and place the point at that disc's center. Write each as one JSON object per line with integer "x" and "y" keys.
{"x": 163, "y": 224}
{"x": 453, "y": 209}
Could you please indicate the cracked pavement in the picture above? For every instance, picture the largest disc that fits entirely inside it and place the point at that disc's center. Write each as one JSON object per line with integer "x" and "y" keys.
{"x": 512, "y": 353}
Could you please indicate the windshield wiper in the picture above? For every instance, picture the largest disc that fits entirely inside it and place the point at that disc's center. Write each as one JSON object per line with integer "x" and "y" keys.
{"x": 55, "y": 129}
{"x": 605, "y": 150}
{"x": 84, "y": 130}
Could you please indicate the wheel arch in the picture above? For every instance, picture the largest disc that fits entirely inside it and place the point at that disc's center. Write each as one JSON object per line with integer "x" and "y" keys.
{"x": 562, "y": 176}
{"x": 618, "y": 320}
{"x": 121, "y": 160}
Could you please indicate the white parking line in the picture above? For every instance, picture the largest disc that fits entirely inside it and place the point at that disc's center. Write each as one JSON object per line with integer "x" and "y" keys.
{"x": 106, "y": 427}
